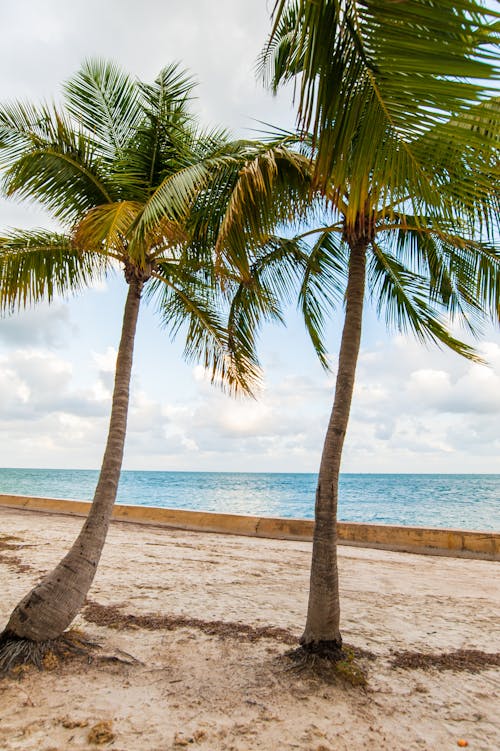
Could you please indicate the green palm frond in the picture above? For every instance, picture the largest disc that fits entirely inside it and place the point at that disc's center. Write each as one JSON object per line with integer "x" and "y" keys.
{"x": 184, "y": 302}
{"x": 45, "y": 158}
{"x": 105, "y": 101}
{"x": 404, "y": 297}
{"x": 464, "y": 153}
{"x": 274, "y": 277}
{"x": 163, "y": 140}
{"x": 174, "y": 196}
{"x": 405, "y": 147}
{"x": 250, "y": 306}
{"x": 282, "y": 59}
{"x": 322, "y": 287}
{"x": 107, "y": 228}
{"x": 169, "y": 94}
{"x": 38, "y": 265}
{"x": 425, "y": 253}
{"x": 273, "y": 187}
{"x": 376, "y": 75}
{"x": 179, "y": 195}
{"x": 278, "y": 265}
{"x": 127, "y": 168}
{"x": 463, "y": 272}
{"x": 209, "y": 143}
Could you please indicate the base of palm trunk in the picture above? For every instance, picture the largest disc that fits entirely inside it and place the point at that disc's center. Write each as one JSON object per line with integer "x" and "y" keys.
{"x": 309, "y": 652}
{"x": 329, "y": 649}
{"x": 327, "y": 660}
{"x": 16, "y": 651}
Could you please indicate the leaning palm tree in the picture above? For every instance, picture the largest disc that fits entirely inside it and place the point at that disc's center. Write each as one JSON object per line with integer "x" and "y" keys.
{"x": 125, "y": 169}
{"x": 404, "y": 152}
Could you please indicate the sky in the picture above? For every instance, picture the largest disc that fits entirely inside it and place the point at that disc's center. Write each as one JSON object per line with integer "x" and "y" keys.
{"x": 415, "y": 409}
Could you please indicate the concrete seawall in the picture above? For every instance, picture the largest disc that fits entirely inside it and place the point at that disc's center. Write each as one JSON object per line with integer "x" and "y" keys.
{"x": 431, "y": 541}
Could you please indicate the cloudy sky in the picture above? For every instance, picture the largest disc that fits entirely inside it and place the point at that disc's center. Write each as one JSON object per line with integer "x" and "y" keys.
{"x": 415, "y": 409}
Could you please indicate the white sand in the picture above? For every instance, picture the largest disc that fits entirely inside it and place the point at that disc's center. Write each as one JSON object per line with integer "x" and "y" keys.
{"x": 216, "y": 693}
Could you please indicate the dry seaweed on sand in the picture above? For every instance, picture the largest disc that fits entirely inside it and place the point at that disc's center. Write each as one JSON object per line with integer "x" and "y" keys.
{"x": 112, "y": 616}
{"x": 13, "y": 562}
{"x": 460, "y": 660}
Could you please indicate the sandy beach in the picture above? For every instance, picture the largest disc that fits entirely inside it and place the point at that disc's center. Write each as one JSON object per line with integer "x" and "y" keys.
{"x": 193, "y": 628}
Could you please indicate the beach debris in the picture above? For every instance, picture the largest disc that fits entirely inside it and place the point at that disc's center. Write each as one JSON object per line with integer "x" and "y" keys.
{"x": 112, "y": 616}
{"x": 127, "y": 658}
{"x": 50, "y": 660}
{"x": 6, "y": 542}
{"x": 101, "y": 733}
{"x": 351, "y": 671}
{"x": 462, "y": 743}
{"x": 70, "y": 724}
{"x": 182, "y": 740}
{"x": 421, "y": 689}
{"x": 13, "y": 562}
{"x": 465, "y": 660}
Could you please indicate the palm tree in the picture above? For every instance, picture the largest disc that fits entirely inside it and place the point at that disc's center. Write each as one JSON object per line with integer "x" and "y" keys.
{"x": 404, "y": 151}
{"x": 125, "y": 169}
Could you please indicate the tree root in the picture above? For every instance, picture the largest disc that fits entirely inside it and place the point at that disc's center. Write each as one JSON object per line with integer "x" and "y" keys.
{"x": 16, "y": 652}
{"x": 329, "y": 662}
{"x": 327, "y": 650}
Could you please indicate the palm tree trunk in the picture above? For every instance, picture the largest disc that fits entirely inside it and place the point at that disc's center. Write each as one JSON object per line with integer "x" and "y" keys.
{"x": 322, "y": 630}
{"x": 50, "y": 607}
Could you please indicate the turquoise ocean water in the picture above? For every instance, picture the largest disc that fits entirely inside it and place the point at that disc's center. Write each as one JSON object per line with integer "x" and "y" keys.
{"x": 456, "y": 501}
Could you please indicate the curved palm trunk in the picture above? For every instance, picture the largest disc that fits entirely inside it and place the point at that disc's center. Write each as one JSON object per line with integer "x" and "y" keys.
{"x": 51, "y": 606}
{"x": 322, "y": 628}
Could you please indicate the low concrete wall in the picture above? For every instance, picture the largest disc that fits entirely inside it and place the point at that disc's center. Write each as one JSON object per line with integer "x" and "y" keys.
{"x": 433, "y": 541}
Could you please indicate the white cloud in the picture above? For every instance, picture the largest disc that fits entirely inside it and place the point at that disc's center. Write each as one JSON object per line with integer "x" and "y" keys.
{"x": 46, "y": 326}
{"x": 425, "y": 413}
{"x": 106, "y": 361}
{"x": 413, "y": 409}
{"x": 424, "y": 410}
{"x": 216, "y": 41}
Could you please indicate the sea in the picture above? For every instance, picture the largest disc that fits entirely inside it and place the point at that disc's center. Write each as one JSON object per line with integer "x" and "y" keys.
{"x": 426, "y": 500}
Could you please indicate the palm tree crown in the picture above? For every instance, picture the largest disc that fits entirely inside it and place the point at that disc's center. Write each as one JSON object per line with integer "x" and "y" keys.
{"x": 120, "y": 168}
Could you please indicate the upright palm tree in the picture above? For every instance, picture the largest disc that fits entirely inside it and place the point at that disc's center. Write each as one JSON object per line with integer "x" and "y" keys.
{"x": 404, "y": 151}
{"x": 125, "y": 169}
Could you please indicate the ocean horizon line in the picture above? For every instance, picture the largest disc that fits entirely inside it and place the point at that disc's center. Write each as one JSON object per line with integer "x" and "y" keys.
{"x": 253, "y": 472}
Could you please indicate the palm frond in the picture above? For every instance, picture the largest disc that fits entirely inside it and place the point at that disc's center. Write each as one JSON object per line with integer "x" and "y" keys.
{"x": 273, "y": 187}
{"x": 106, "y": 102}
{"x": 47, "y": 160}
{"x": 107, "y": 227}
{"x": 163, "y": 139}
{"x": 405, "y": 298}
{"x": 185, "y": 302}
{"x": 38, "y": 265}
{"x": 376, "y": 75}
{"x": 180, "y": 192}
{"x": 274, "y": 277}
{"x": 128, "y": 169}
{"x": 463, "y": 272}
{"x": 282, "y": 59}
{"x": 322, "y": 287}
{"x": 464, "y": 153}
